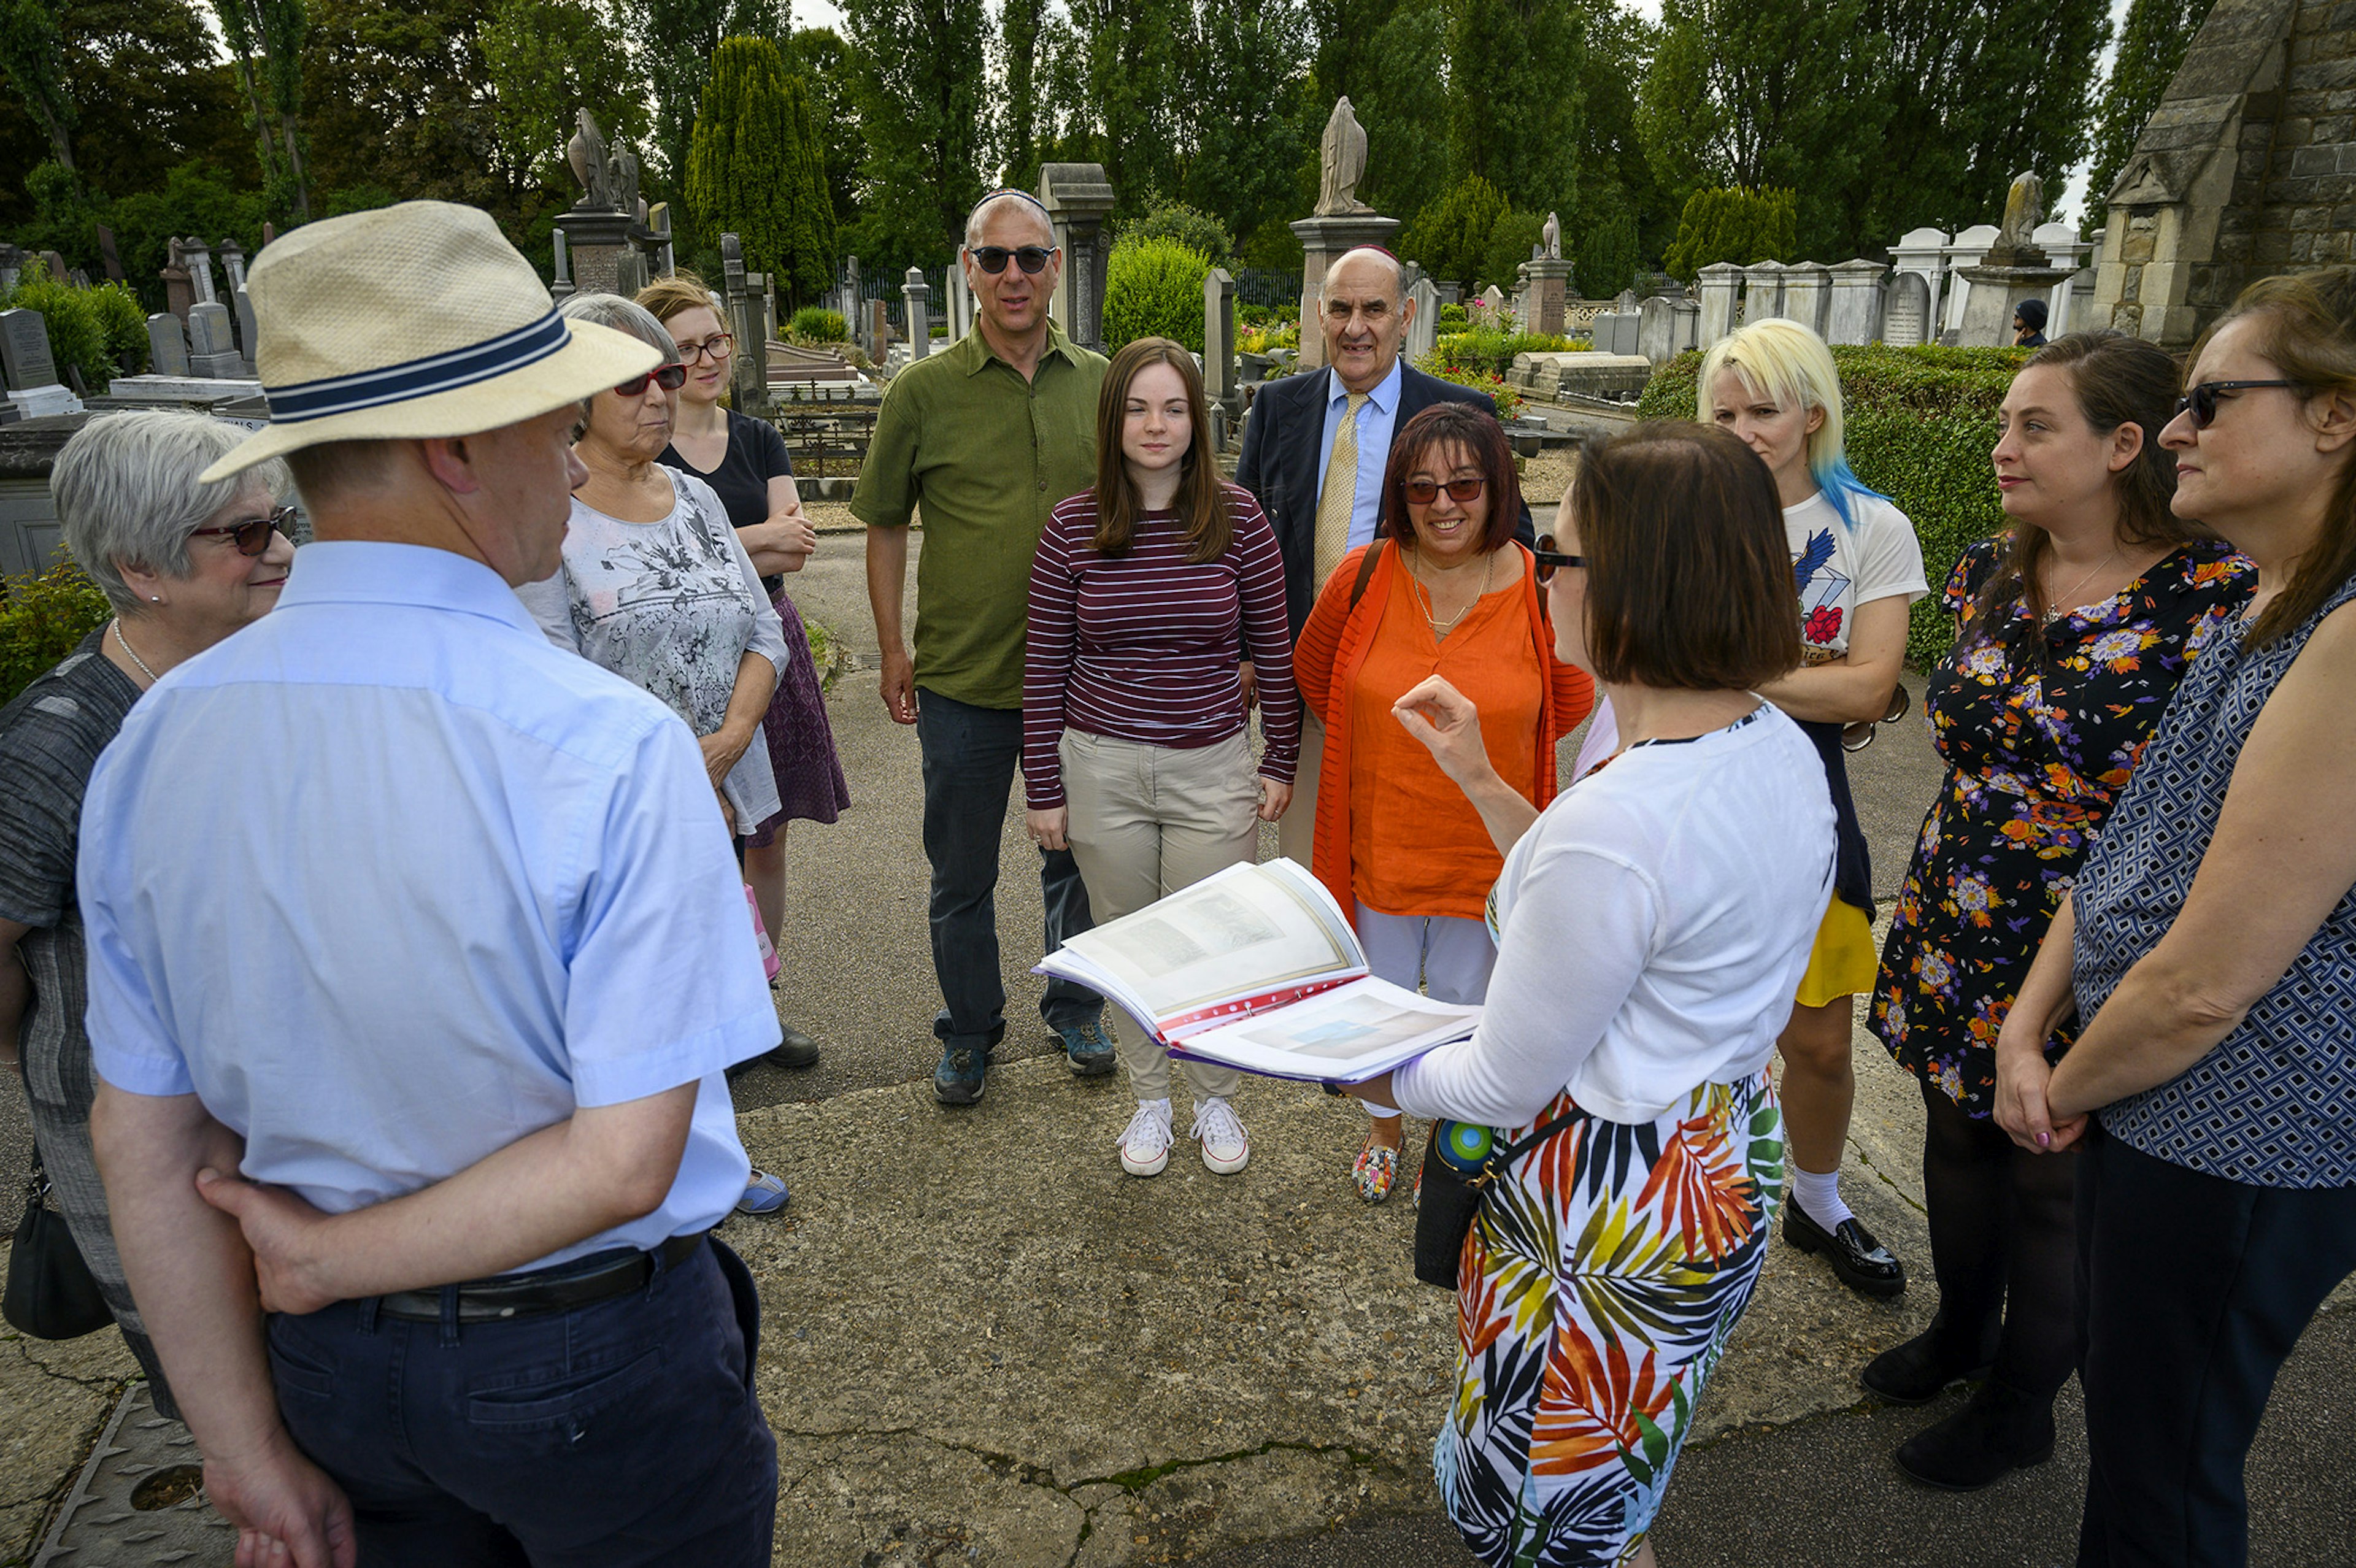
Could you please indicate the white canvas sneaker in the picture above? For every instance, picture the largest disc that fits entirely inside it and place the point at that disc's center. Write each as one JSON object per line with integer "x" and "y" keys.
{"x": 1225, "y": 1149}
{"x": 1145, "y": 1146}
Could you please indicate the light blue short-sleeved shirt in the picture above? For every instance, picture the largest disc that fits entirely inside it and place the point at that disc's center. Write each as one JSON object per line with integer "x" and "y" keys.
{"x": 1377, "y": 419}
{"x": 388, "y": 883}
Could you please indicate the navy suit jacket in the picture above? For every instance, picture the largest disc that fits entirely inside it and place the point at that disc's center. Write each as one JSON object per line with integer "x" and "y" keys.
{"x": 1280, "y": 465}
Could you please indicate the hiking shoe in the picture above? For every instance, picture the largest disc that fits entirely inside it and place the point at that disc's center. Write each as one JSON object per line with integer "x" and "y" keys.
{"x": 764, "y": 1194}
{"x": 1090, "y": 1048}
{"x": 958, "y": 1079}
{"x": 1145, "y": 1146}
{"x": 1225, "y": 1150}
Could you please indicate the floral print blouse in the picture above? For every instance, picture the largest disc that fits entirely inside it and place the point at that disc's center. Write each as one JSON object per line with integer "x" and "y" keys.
{"x": 2036, "y": 751}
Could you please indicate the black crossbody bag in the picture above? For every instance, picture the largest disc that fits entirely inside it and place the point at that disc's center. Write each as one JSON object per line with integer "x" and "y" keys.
{"x": 1448, "y": 1199}
{"x": 51, "y": 1294}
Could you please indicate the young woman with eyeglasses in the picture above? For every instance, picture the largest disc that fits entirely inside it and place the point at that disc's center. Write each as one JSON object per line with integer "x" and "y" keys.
{"x": 2208, "y": 950}
{"x": 745, "y": 462}
{"x": 1443, "y": 590}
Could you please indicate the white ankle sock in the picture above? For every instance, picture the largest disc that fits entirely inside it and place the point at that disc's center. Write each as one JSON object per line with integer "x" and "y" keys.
{"x": 1382, "y": 1112}
{"x": 1819, "y": 1194}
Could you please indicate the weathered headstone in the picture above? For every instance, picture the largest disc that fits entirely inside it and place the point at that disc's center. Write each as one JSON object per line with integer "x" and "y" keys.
{"x": 563, "y": 287}
{"x": 29, "y": 369}
{"x": 916, "y": 295}
{"x": 748, "y": 371}
{"x": 1492, "y": 300}
{"x": 212, "y": 346}
{"x": 1688, "y": 329}
{"x": 232, "y": 260}
{"x": 1078, "y": 197}
{"x": 167, "y": 345}
{"x": 1219, "y": 337}
{"x": 106, "y": 254}
{"x": 12, "y": 267}
{"x": 879, "y": 330}
{"x": 197, "y": 257}
{"x": 1423, "y": 330}
{"x": 659, "y": 254}
{"x": 179, "y": 291}
{"x": 248, "y": 341}
{"x": 58, "y": 270}
{"x": 1907, "y": 321}
{"x": 1808, "y": 293}
{"x": 1656, "y": 329}
{"x": 1855, "y": 312}
{"x": 1721, "y": 281}
{"x": 1762, "y": 291}
{"x": 960, "y": 301}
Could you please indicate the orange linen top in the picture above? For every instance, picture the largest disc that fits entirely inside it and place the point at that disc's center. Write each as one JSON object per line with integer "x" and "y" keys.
{"x": 1392, "y": 830}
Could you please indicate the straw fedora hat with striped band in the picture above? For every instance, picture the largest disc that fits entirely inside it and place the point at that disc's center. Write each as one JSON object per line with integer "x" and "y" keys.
{"x": 413, "y": 322}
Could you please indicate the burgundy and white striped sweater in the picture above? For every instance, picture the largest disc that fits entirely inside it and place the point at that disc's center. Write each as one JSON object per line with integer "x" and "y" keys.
{"x": 1144, "y": 646}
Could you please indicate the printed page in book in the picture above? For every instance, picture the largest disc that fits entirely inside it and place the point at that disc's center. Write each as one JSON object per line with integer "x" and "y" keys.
{"x": 1346, "y": 1035}
{"x": 1247, "y": 938}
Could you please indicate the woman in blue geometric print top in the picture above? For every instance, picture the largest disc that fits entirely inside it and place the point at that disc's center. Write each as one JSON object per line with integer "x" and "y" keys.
{"x": 2071, "y": 633}
{"x": 2212, "y": 935}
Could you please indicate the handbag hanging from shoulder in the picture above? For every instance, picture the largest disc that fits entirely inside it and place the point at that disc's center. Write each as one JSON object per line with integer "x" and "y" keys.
{"x": 51, "y": 1294}
{"x": 1460, "y": 1162}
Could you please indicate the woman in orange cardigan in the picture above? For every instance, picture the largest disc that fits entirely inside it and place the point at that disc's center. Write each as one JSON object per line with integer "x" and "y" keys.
{"x": 1443, "y": 590}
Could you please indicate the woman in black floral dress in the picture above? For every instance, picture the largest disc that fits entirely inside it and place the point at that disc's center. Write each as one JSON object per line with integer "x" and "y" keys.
{"x": 2073, "y": 628}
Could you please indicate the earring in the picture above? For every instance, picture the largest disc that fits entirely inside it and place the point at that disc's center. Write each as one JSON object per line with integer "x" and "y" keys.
{"x": 154, "y": 599}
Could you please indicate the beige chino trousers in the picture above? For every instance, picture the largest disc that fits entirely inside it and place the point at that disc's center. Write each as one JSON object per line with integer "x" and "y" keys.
{"x": 1147, "y": 820}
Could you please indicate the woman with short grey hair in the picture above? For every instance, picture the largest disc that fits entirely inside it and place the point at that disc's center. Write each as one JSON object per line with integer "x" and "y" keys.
{"x": 184, "y": 564}
{"x": 655, "y": 587}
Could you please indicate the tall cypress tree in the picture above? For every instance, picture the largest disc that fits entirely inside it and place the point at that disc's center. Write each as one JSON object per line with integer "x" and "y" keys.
{"x": 806, "y": 266}
{"x": 2152, "y": 43}
{"x": 736, "y": 155}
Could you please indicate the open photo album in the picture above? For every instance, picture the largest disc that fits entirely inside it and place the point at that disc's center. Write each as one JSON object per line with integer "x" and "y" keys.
{"x": 1256, "y": 968}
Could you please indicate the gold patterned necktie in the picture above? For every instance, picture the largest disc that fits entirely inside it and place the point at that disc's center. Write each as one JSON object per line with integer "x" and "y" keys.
{"x": 1340, "y": 497}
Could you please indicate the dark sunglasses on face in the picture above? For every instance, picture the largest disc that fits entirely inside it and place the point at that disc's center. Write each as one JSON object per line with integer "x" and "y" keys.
{"x": 1424, "y": 492}
{"x": 252, "y": 536}
{"x": 1032, "y": 259}
{"x": 1549, "y": 558}
{"x": 670, "y": 377}
{"x": 2202, "y": 400}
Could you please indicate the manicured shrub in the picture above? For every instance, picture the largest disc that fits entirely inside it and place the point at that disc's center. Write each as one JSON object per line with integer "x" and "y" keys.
{"x": 77, "y": 330}
{"x": 124, "y": 325}
{"x": 1736, "y": 224}
{"x": 1919, "y": 426}
{"x": 1508, "y": 400}
{"x": 1451, "y": 316}
{"x": 42, "y": 620}
{"x": 815, "y": 324}
{"x": 1154, "y": 288}
{"x": 1199, "y": 232}
{"x": 1494, "y": 352}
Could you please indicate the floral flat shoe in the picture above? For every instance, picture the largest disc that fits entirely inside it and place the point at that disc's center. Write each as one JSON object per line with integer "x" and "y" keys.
{"x": 1374, "y": 1170}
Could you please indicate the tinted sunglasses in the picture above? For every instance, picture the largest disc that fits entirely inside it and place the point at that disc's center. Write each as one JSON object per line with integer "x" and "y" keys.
{"x": 1549, "y": 558}
{"x": 1032, "y": 259}
{"x": 1424, "y": 492}
{"x": 670, "y": 377}
{"x": 2202, "y": 400}
{"x": 252, "y": 536}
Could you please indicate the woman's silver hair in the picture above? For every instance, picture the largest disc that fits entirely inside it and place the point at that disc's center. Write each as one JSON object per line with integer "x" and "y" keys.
{"x": 127, "y": 492}
{"x": 622, "y": 315}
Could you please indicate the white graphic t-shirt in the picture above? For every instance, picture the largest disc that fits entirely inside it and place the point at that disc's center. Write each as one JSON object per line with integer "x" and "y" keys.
{"x": 1837, "y": 569}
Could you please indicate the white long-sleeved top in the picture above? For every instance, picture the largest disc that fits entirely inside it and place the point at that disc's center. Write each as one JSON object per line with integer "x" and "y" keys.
{"x": 1656, "y": 921}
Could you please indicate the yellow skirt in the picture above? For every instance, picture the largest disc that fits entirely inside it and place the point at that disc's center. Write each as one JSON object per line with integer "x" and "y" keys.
{"x": 1843, "y": 962}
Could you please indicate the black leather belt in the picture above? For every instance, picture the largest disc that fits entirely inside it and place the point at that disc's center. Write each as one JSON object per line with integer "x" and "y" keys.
{"x": 583, "y": 1283}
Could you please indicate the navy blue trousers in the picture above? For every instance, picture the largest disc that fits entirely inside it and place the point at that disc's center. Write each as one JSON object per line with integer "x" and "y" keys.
{"x": 2192, "y": 1291}
{"x": 970, "y": 755}
{"x": 619, "y": 1435}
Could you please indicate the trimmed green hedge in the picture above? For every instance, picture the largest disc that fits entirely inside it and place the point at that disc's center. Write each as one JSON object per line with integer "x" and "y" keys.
{"x": 1920, "y": 425}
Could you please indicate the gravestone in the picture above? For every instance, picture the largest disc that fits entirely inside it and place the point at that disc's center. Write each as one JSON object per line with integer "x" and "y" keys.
{"x": 916, "y": 294}
{"x": 1452, "y": 293}
{"x": 106, "y": 254}
{"x": 1656, "y": 329}
{"x": 1855, "y": 312}
{"x": 1720, "y": 284}
{"x": 1808, "y": 293}
{"x": 1078, "y": 197}
{"x": 30, "y": 371}
{"x": 1423, "y": 331}
{"x": 167, "y": 345}
{"x": 1492, "y": 300}
{"x": 1762, "y": 291}
{"x": 212, "y": 347}
{"x": 960, "y": 301}
{"x": 12, "y": 267}
{"x": 58, "y": 270}
{"x": 247, "y": 339}
{"x": 1907, "y": 321}
{"x": 232, "y": 259}
{"x": 562, "y": 289}
{"x": 197, "y": 257}
{"x": 879, "y": 330}
{"x": 1219, "y": 337}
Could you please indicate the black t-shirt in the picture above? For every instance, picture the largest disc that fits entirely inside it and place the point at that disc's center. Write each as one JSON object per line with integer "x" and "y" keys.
{"x": 756, "y": 454}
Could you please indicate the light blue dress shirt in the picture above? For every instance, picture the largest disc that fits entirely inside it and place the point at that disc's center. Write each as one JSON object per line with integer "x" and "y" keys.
{"x": 388, "y": 883}
{"x": 1377, "y": 416}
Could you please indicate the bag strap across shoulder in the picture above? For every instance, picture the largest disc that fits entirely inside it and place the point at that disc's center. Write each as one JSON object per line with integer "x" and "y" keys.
{"x": 1365, "y": 571}
{"x": 1494, "y": 1166}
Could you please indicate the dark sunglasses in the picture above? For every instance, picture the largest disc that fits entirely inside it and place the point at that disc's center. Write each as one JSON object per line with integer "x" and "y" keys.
{"x": 252, "y": 536}
{"x": 670, "y": 377}
{"x": 1032, "y": 259}
{"x": 1549, "y": 558}
{"x": 1424, "y": 492}
{"x": 2202, "y": 400}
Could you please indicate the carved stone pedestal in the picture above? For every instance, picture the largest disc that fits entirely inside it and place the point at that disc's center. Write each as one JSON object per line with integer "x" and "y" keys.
{"x": 1323, "y": 242}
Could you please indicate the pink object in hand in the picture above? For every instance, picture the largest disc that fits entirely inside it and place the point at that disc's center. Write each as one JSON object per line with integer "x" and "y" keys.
{"x": 770, "y": 962}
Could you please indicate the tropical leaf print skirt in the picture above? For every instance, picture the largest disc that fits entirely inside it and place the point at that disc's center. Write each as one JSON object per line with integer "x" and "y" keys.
{"x": 1597, "y": 1289}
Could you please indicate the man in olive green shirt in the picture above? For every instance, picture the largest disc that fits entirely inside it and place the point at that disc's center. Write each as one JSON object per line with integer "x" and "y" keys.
{"x": 983, "y": 441}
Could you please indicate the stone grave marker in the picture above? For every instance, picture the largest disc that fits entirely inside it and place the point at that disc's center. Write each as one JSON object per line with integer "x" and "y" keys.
{"x": 916, "y": 294}
{"x": 246, "y": 339}
{"x": 12, "y": 266}
{"x": 1219, "y": 336}
{"x": 1907, "y": 324}
{"x": 1423, "y": 332}
{"x": 212, "y": 349}
{"x": 1656, "y": 329}
{"x": 1855, "y": 312}
{"x": 107, "y": 253}
{"x": 31, "y": 372}
{"x": 168, "y": 346}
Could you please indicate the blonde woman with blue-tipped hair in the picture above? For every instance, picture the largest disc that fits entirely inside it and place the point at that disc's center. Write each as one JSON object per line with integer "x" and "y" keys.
{"x": 1858, "y": 567}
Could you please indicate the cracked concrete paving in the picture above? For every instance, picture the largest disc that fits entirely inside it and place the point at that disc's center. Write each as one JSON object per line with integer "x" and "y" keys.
{"x": 55, "y": 1397}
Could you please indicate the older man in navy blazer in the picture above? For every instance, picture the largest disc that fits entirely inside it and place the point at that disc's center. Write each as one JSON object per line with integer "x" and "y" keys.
{"x": 1364, "y": 397}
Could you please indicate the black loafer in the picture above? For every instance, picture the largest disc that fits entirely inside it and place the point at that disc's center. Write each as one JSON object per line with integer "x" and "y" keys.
{"x": 1919, "y": 1370}
{"x": 1863, "y": 1264}
{"x": 796, "y": 1050}
{"x": 2001, "y": 1431}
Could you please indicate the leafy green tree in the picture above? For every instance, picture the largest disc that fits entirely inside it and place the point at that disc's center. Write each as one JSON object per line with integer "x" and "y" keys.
{"x": 1154, "y": 288}
{"x": 677, "y": 39}
{"x": 33, "y": 55}
{"x": 1199, "y": 232}
{"x": 920, "y": 87}
{"x": 1736, "y": 224}
{"x": 824, "y": 61}
{"x": 1401, "y": 98}
{"x": 546, "y": 61}
{"x": 755, "y": 167}
{"x": 2152, "y": 42}
{"x": 1516, "y": 109}
{"x": 1615, "y": 179}
{"x": 1604, "y": 260}
{"x": 1450, "y": 239}
{"x": 1247, "y": 117}
{"x": 1510, "y": 244}
{"x": 1019, "y": 23}
{"x": 1130, "y": 57}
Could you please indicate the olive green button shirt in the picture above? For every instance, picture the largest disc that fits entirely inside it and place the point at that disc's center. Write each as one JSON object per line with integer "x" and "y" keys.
{"x": 984, "y": 456}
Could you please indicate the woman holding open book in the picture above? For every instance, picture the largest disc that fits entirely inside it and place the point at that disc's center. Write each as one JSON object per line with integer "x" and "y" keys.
{"x": 1146, "y": 592}
{"x": 1443, "y": 590}
{"x": 1653, "y": 925}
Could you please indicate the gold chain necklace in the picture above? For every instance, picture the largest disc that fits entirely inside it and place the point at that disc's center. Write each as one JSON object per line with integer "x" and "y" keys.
{"x": 2059, "y": 607}
{"x": 1429, "y": 603}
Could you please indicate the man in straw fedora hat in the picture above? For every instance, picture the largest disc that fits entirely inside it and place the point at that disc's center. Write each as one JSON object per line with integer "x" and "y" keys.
{"x": 423, "y": 1025}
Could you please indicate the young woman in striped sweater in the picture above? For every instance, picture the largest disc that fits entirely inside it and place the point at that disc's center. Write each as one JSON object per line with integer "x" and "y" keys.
{"x": 1146, "y": 592}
